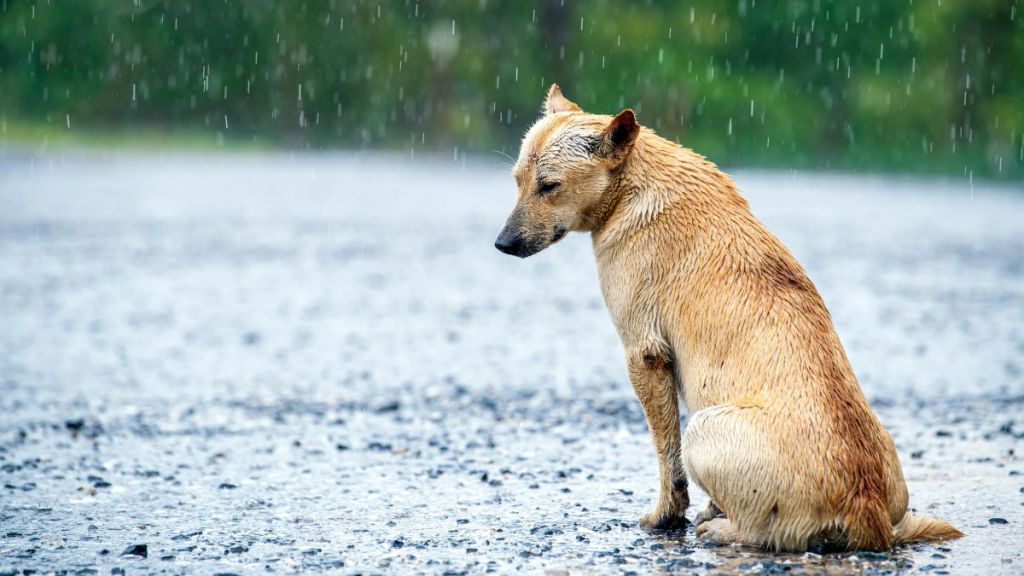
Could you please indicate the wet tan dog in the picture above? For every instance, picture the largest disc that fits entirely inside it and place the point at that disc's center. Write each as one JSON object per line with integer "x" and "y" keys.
{"x": 710, "y": 305}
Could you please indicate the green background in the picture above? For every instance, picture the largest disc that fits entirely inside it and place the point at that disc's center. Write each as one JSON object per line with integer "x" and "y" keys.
{"x": 930, "y": 86}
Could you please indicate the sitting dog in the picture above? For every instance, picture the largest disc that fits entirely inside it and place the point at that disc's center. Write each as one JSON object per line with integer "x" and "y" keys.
{"x": 712, "y": 307}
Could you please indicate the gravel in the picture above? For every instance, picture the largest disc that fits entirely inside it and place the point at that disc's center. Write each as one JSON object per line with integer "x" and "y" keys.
{"x": 250, "y": 363}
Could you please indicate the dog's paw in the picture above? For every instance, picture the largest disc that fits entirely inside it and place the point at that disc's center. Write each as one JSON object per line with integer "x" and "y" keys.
{"x": 717, "y": 530}
{"x": 709, "y": 513}
{"x": 658, "y": 520}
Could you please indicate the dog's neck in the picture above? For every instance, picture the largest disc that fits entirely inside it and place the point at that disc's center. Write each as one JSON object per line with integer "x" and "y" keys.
{"x": 659, "y": 176}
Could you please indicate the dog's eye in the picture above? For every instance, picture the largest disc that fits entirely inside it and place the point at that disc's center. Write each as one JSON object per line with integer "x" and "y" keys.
{"x": 547, "y": 188}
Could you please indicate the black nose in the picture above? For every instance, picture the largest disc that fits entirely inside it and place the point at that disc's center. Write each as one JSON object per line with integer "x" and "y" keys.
{"x": 508, "y": 245}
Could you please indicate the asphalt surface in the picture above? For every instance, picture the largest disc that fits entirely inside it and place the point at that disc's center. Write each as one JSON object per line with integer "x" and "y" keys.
{"x": 272, "y": 363}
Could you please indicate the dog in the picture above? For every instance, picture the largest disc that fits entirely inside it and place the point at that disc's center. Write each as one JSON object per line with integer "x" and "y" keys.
{"x": 715, "y": 312}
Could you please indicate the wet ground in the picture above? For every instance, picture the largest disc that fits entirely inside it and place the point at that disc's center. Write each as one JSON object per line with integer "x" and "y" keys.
{"x": 243, "y": 364}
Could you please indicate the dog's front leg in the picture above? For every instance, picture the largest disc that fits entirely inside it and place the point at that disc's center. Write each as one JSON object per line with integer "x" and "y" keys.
{"x": 651, "y": 374}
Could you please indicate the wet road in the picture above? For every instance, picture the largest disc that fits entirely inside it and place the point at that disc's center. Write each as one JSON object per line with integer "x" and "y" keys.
{"x": 241, "y": 364}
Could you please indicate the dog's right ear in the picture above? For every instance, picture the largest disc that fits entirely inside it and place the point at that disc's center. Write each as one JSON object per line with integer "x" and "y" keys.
{"x": 556, "y": 102}
{"x": 620, "y": 135}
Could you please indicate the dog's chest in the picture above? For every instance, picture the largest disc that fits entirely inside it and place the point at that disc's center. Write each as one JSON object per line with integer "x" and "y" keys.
{"x": 630, "y": 295}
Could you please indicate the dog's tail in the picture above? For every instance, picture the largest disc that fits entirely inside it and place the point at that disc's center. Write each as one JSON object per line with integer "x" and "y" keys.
{"x": 923, "y": 529}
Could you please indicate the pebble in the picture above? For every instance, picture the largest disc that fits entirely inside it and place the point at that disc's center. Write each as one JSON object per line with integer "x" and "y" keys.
{"x": 141, "y": 550}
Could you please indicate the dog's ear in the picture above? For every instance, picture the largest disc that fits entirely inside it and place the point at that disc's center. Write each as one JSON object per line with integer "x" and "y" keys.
{"x": 620, "y": 135}
{"x": 556, "y": 102}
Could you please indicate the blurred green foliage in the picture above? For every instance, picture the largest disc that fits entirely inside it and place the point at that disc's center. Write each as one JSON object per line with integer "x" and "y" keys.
{"x": 910, "y": 85}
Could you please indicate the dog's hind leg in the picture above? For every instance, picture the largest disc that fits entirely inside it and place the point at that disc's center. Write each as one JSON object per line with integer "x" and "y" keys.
{"x": 650, "y": 371}
{"x": 731, "y": 452}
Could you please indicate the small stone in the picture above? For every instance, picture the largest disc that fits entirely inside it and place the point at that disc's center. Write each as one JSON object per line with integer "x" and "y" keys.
{"x": 227, "y": 486}
{"x": 998, "y": 520}
{"x": 397, "y": 543}
{"x": 141, "y": 550}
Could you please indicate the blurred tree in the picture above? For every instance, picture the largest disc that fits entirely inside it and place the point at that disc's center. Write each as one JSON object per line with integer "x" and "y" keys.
{"x": 918, "y": 85}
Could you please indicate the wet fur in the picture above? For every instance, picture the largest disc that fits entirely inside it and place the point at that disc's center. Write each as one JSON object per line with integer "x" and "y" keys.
{"x": 715, "y": 312}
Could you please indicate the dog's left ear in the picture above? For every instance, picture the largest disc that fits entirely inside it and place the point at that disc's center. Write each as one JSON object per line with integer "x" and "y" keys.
{"x": 618, "y": 138}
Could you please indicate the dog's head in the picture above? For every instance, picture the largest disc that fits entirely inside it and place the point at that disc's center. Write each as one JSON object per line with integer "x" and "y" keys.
{"x": 565, "y": 173}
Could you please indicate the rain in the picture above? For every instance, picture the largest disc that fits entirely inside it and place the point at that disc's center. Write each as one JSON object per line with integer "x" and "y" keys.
{"x": 252, "y": 318}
